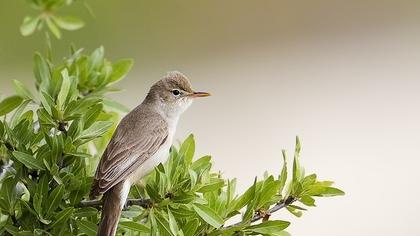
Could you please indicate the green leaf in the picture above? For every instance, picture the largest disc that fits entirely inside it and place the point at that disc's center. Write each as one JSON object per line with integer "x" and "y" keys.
{"x": 246, "y": 197}
{"x": 96, "y": 58}
{"x": 307, "y": 200}
{"x": 296, "y": 165}
{"x": 208, "y": 215}
{"x": 62, "y": 216}
{"x": 120, "y": 69}
{"x": 28, "y": 160}
{"x": 269, "y": 227}
{"x": 47, "y": 102}
{"x": 65, "y": 87}
{"x": 190, "y": 227}
{"x": 294, "y": 211}
{"x": 212, "y": 186}
{"x": 54, "y": 199}
{"x": 173, "y": 225}
{"x": 17, "y": 116}
{"x": 187, "y": 149}
{"x": 134, "y": 226}
{"x": 9, "y": 104}
{"x": 12, "y": 229}
{"x": 201, "y": 164}
{"x": 41, "y": 69}
{"x": 92, "y": 114}
{"x": 22, "y": 90}
{"x": 163, "y": 224}
{"x": 87, "y": 227}
{"x": 97, "y": 129}
{"x": 269, "y": 189}
{"x": 283, "y": 175}
{"x": 69, "y": 22}
{"x": 331, "y": 192}
{"x": 86, "y": 212}
{"x": 53, "y": 28}
{"x": 1, "y": 129}
{"x": 45, "y": 118}
{"x": 29, "y": 25}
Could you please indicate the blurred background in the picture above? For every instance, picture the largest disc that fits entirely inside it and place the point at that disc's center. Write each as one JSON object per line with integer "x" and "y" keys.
{"x": 343, "y": 75}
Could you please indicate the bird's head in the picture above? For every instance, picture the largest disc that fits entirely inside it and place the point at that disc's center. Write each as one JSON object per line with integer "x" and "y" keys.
{"x": 173, "y": 93}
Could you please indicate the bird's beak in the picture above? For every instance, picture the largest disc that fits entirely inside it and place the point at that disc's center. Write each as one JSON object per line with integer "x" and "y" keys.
{"x": 199, "y": 94}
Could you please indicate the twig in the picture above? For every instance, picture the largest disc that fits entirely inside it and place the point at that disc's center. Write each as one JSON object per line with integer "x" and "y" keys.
{"x": 145, "y": 203}
{"x": 275, "y": 208}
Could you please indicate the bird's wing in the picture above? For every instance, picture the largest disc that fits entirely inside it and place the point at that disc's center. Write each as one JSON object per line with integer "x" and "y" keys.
{"x": 131, "y": 145}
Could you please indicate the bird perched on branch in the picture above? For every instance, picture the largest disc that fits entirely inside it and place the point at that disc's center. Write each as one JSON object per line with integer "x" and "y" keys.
{"x": 140, "y": 142}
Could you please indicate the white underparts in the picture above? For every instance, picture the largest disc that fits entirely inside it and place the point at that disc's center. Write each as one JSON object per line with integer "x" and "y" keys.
{"x": 124, "y": 192}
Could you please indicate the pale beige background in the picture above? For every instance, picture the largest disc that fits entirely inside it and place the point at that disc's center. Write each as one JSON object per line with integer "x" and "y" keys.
{"x": 343, "y": 75}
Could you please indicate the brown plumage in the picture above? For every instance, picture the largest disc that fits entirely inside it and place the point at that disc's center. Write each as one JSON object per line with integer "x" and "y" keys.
{"x": 140, "y": 142}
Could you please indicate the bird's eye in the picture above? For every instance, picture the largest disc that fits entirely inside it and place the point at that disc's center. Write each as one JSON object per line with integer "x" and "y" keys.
{"x": 176, "y": 92}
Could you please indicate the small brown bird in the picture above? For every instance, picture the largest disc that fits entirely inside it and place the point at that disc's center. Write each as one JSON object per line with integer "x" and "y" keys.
{"x": 140, "y": 142}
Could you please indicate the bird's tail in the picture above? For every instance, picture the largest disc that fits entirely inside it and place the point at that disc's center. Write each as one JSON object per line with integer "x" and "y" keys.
{"x": 113, "y": 202}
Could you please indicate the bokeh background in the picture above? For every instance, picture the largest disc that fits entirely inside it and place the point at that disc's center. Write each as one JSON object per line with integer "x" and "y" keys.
{"x": 343, "y": 75}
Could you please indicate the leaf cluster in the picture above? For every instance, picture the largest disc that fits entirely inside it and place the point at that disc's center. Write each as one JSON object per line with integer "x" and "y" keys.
{"x": 187, "y": 198}
{"x": 50, "y": 141}
{"x": 47, "y": 17}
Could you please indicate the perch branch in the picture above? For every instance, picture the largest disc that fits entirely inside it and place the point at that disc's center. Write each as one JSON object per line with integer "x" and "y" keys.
{"x": 259, "y": 216}
{"x": 145, "y": 203}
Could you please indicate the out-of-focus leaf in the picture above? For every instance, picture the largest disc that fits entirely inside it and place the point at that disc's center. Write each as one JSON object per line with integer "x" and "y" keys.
{"x": 29, "y": 25}
{"x": 69, "y": 22}
{"x": 9, "y": 104}
{"x": 53, "y": 28}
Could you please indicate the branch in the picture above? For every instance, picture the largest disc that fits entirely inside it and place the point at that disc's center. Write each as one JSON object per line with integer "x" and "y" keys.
{"x": 267, "y": 214}
{"x": 145, "y": 203}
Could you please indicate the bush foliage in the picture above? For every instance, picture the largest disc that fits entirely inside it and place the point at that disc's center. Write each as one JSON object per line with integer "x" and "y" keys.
{"x": 52, "y": 139}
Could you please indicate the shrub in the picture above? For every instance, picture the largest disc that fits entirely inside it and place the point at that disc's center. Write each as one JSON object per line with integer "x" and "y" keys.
{"x": 51, "y": 141}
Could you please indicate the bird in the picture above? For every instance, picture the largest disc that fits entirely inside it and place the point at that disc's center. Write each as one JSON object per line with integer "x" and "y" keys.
{"x": 141, "y": 141}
